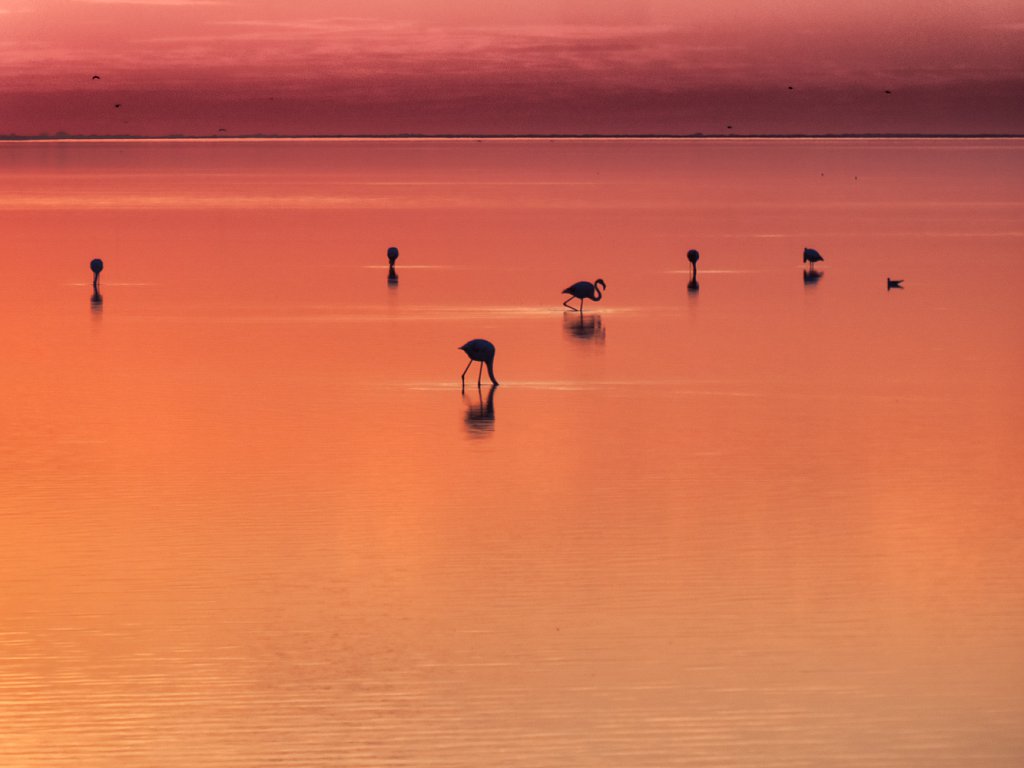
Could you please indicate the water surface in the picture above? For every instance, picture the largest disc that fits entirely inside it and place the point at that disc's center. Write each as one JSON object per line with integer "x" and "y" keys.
{"x": 250, "y": 518}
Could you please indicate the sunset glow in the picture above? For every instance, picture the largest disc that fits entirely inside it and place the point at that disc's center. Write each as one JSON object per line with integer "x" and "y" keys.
{"x": 574, "y": 66}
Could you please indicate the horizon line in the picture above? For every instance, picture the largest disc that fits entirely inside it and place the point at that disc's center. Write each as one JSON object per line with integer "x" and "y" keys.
{"x": 62, "y": 136}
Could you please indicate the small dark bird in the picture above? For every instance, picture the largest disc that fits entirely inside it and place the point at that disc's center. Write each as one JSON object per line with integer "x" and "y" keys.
{"x": 479, "y": 351}
{"x": 789, "y": 87}
{"x": 890, "y": 284}
{"x": 692, "y": 256}
{"x": 888, "y": 91}
{"x": 392, "y": 255}
{"x": 729, "y": 127}
{"x": 96, "y": 265}
{"x": 222, "y": 130}
{"x": 812, "y": 256}
{"x": 117, "y": 106}
{"x": 584, "y": 290}
{"x": 95, "y": 77}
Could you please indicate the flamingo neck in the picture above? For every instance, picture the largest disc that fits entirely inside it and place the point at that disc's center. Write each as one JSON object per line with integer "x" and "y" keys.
{"x": 597, "y": 292}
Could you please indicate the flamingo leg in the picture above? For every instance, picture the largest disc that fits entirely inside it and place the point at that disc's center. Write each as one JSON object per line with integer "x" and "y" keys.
{"x": 581, "y": 306}
{"x": 479, "y": 374}
{"x": 464, "y": 372}
{"x": 566, "y": 303}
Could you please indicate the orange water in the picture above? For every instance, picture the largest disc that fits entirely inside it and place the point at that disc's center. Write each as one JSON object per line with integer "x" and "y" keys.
{"x": 250, "y": 519}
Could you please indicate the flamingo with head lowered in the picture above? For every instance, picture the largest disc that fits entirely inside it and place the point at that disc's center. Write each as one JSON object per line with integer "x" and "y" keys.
{"x": 96, "y": 265}
{"x": 584, "y": 290}
{"x": 479, "y": 351}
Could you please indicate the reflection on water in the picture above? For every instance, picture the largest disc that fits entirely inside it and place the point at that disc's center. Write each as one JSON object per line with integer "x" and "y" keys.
{"x": 96, "y": 300}
{"x": 479, "y": 412}
{"x": 249, "y": 524}
{"x": 392, "y": 277}
{"x": 812, "y": 276}
{"x": 583, "y": 326}
{"x": 693, "y": 286}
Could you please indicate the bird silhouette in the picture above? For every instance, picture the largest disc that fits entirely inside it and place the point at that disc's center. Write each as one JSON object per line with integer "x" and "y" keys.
{"x": 117, "y": 106}
{"x": 584, "y": 290}
{"x": 392, "y": 277}
{"x": 812, "y": 256}
{"x": 392, "y": 255}
{"x": 693, "y": 286}
{"x": 890, "y": 284}
{"x": 95, "y": 77}
{"x": 479, "y": 351}
{"x": 692, "y": 256}
{"x": 96, "y": 265}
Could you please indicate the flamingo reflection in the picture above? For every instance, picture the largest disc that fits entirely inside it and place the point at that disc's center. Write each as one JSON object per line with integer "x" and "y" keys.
{"x": 812, "y": 276}
{"x": 583, "y": 327}
{"x": 480, "y": 415}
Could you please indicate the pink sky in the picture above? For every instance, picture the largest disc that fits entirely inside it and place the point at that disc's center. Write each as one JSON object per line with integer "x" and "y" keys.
{"x": 533, "y": 66}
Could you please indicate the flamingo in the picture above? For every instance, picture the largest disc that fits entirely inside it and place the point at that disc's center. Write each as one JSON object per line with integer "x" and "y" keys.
{"x": 479, "y": 351}
{"x": 96, "y": 265}
{"x": 812, "y": 256}
{"x": 392, "y": 255}
{"x": 692, "y": 256}
{"x": 584, "y": 290}
{"x": 890, "y": 283}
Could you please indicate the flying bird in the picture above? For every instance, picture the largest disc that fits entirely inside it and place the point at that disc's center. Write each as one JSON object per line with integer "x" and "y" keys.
{"x": 95, "y": 77}
{"x": 584, "y": 290}
{"x": 479, "y": 351}
{"x": 117, "y": 106}
{"x": 96, "y": 265}
{"x": 812, "y": 256}
{"x": 890, "y": 284}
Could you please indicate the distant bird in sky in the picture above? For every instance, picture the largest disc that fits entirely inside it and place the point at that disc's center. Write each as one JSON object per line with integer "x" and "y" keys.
{"x": 479, "y": 351}
{"x": 96, "y": 265}
{"x": 584, "y": 290}
{"x": 392, "y": 255}
{"x": 890, "y": 283}
{"x": 812, "y": 256}
{"x": 222, "y": 130}
{"x": 95, "y": 77}
{"x": 692, "y": 256}
{"x": 117, "y": 106}
{"x": 888, "y": 91}
{"x": 789, "y": 87}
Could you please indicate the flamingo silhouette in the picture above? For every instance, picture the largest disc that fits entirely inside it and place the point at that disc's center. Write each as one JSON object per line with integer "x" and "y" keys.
{"x": 890, "y": 284}
{"x": 392, "y": 256}
{"x": 812, "y": 256}
{"x": 96, "y": 265}
{"x": 692, "y": 256}
{"x": 584, "y": 290}
{"x": 479, "y": 351}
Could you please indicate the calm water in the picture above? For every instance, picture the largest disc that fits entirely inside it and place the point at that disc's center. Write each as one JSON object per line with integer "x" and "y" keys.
{"x": 249, "y": 519}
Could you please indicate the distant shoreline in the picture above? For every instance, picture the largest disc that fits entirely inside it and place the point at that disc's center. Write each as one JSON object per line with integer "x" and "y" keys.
{"x": 492, "y": 136}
